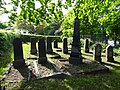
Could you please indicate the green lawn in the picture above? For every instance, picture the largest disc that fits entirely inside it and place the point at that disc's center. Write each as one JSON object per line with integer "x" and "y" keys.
{"x": 107, "y": 81}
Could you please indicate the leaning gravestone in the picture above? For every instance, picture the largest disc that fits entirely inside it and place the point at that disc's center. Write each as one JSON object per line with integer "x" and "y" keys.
{"x": 49, "y": 45}
{"x": 42, "y": 51}
{"x": 33, "y": 49}
{"x": 109, "y": 53}
{"x": 75, "y": 56}
{"x": 86, "y": 46}
{"x": 19, "y": 61}
{"x": 55, "y": 44}
{"x": 97, "y": 52}
{"x": 65, "y": 48}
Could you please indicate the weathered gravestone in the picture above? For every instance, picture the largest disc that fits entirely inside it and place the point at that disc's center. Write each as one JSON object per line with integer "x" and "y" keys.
{"x": 19, "y": 61}
{"x": 33, "y": 49}
{"x": 97, "y": 52}
{"x": 65, "y": 48}
{"x": 42, "y": 51}
{"x": 75, "y": 56}
{"x": 49, "y": 49}
{"x": 109, "y": 54}
{"x": 86, "y": 46}
{"x": 55, "y": 44}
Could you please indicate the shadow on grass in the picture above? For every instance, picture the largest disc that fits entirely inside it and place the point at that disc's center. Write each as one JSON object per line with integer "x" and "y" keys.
{"x": 24, "y": 71}
{"x": 86, "y": 54}
{"x": 116, "y": 62}
{"x": 110, "y": 64}
{"x": 108, "y": 81}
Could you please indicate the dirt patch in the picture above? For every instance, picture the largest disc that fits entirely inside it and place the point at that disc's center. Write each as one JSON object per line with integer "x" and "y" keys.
{"x": 87, "y": 67}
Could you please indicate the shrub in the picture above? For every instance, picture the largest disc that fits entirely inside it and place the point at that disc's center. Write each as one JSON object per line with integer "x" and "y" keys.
{"x": 26, "y": 38}
{"x": 6, "y": 40}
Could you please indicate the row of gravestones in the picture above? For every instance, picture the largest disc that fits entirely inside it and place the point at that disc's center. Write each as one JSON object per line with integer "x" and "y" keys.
{"x": 42, "y": 50}
{"x": 97, "y": 51}
{"x": 49, "y": 49}
{"x": 96, "y": 55}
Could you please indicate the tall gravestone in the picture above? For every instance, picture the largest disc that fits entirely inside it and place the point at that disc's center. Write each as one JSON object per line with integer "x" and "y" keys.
{"x": 33, "y": 49}
{"x": 49, "y": 45}
{"x": 65, "y": 47}
{"x": 97, "y": 52}
{"x": 109, "y": 54}
{"x": 86, "y": 46}
{"x": 19, "y": 61}
{"x": 42, "y": 51}
{"x": 55, "y": 44}
{"x": 75, "y": 56}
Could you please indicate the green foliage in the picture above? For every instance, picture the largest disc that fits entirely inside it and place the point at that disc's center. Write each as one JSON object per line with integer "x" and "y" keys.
{"x": 67, "y": 33}
{"x": 2, "y": 26}
{"x": 26, "y": 38}
{"x": 96, "y": 17}
{"x": 6, "y": 39}
{"x": 40, "y": 29}
{"x": 52, "y": 28}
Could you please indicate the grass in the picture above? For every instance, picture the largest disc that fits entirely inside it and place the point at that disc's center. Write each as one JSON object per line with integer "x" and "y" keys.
{"x": 107, "y": 81}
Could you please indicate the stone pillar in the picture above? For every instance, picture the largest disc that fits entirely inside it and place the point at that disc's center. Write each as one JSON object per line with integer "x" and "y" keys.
{"x": 55, "y": 44}
{"x": 86, "y": 46}
{"x": 19, "y": 61}
{"x": 33, "y": 49}
{"x": 109, "y": 54}
{"x": 97, "y": 52}
{"x": 75, "y": 56}
{"x": 65, "y": 48}
{"x": 49, "y": 45}
{"x": 42, "y": 51}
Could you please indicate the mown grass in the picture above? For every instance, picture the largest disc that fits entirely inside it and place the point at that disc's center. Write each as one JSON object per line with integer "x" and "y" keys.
{"x": 107, "y": 81}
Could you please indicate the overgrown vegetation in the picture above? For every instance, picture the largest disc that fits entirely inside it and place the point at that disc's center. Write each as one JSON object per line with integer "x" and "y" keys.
{"x": 6, "y": 54}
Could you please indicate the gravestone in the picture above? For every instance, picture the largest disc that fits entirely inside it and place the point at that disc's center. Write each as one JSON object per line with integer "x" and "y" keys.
{"x": 75, "y": 56}
{"x": 55, "y": 44}
{"x": 97, "y": 52}
{"x": 86, "y": 46}
{"x": 49, "y": 49}
{"x": 65, "y": 48}
{"x": 33, "y": 49}
{"x": 109, "y": 53}
{"x": 42, "y": 51}
{"x": 19, "y": 61}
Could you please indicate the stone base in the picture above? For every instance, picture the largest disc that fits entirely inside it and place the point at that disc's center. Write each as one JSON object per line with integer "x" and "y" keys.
{"x": 33, "y": 51}
{"x": 42, "y": 60}
{"x": 49, "y": 51}
{"x": 110, "y": 59}
{"x": 87, "y": 51}
{"x": 58, "y": 49}
{"x": 19, "y": 63}
{"x": 75, "y": 61}
{"x": 65, "y": 51}
{"x": 32, "y": 57}
{"x": 98, "y": 59}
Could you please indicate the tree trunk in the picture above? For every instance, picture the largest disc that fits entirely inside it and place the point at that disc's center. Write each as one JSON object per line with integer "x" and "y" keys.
{"x": 115, "y": 42}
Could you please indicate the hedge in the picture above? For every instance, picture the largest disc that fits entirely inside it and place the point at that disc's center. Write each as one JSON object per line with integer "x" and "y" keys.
{"x": 6, "y": 40}
{"x": 26, "y": 38}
